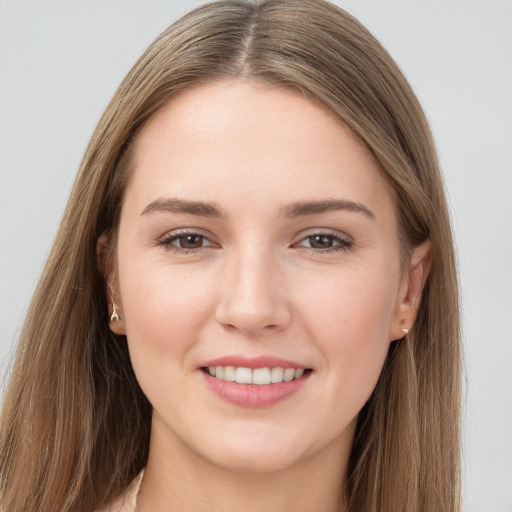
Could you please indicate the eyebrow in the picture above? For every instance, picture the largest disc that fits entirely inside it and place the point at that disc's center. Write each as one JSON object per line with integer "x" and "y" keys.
{"x": 173, "y": 205}
{"x": 297, "y": 209}
{"x": 314, "y": 207}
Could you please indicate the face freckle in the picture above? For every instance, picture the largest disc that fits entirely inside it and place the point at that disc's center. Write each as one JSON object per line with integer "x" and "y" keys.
{"x": 256, "y": 230}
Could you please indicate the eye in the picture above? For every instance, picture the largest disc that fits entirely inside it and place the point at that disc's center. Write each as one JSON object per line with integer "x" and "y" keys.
{"x": 185, "y": 242}
{"x": 325, "y": 242}
{"x": 191, "y": 241}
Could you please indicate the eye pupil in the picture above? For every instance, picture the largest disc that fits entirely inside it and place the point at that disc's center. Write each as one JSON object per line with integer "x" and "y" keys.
{"x": 321, "y": 241}
{"x": 191, "y": 241}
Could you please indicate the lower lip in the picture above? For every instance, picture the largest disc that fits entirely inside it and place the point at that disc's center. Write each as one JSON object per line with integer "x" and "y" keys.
{"x": 254, "y": 396}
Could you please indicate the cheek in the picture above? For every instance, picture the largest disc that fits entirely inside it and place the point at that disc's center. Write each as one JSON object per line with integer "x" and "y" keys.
{"x": 164, "y": 307}
{"x": 354, "y": 306}
{"x": 350, "y": 323}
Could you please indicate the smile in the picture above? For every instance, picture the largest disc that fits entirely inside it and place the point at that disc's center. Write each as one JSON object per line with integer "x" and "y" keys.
{"x": 259, "y": 376}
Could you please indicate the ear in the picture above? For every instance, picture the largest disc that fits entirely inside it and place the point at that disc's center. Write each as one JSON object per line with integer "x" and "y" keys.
{"x": 409, "y": 296}
{"x": 106, "y": 269}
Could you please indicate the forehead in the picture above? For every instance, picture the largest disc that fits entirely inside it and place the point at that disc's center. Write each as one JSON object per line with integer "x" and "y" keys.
{"x": 221, "y": 140}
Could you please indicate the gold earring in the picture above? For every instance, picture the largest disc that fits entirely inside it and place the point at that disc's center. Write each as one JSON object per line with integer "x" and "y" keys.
{"x": 114, "y": 315}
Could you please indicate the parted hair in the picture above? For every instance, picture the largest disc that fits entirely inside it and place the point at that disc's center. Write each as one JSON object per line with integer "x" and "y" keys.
{"x": 75, "y": 425}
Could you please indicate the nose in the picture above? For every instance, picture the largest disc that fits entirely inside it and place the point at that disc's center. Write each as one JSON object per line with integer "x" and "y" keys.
{"x": 253, "y": 296}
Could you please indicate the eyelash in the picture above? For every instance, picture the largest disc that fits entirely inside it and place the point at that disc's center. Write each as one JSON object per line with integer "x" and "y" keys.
{"x": 167, "y": 242}
{"x": 342, "y": 243}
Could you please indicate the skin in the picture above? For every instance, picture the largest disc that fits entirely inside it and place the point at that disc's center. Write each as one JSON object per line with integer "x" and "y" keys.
{"x": 259, "y": 283}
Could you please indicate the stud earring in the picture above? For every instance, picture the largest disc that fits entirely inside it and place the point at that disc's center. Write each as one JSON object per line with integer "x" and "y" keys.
{"x": 114, "y": 315}
{"x": 405, "y": 331}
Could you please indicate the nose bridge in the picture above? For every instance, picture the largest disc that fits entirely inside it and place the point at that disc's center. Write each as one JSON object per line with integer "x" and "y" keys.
{"x": 253, "y": 297}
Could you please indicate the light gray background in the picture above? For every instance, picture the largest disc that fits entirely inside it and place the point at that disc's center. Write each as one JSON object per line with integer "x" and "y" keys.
{"x": 60, "y": 62}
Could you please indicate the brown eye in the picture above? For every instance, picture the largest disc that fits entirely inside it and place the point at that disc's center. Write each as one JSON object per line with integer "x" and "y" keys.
{"x": 325, "y": 242}
{"x": 191, "y": 241}
{"x": 185, "y": 242}
{"x": 321, "y": 241}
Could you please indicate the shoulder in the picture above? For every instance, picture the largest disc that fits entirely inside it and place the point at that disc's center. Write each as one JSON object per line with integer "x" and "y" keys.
{"x": 126, "y": 502}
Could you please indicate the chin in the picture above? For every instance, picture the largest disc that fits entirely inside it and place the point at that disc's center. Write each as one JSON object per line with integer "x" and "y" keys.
{"x": 255, "y": 460}
{"x": 267, "y": 449}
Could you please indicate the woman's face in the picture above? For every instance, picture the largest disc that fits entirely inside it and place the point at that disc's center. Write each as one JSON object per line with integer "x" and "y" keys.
{"x": 257, "y": 237}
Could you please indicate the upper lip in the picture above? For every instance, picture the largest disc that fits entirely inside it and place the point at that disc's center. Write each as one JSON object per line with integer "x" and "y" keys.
{"x": 253, "y": 362}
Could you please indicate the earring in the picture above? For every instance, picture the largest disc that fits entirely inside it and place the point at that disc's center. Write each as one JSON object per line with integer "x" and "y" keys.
{"x": 405, "y": 331}
{"x": 114, "y": 315}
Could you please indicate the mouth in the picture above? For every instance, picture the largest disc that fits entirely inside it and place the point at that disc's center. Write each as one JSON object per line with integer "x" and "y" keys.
{"x": 255, "y": 388}
{"x": 263, "y": 376}
{"x": 255, "y": 382}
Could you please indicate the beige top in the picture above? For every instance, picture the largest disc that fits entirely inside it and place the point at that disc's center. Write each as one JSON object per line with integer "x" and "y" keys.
{"x": 128, "y": 501}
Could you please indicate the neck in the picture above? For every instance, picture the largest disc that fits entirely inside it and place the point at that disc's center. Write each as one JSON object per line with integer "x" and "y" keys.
{"x": 178, "y": 479}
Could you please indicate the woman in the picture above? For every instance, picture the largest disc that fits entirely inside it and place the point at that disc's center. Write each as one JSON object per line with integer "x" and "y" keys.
{"x": 252, "y": 299}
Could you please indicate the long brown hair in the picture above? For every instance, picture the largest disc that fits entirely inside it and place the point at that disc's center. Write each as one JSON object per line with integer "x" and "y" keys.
{"x": 75, "y": 424}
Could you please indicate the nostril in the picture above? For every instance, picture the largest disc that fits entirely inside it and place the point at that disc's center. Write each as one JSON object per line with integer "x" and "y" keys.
{"x": 258, "y": 313}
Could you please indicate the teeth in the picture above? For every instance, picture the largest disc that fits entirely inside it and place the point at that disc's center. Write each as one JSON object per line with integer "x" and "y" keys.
{"x": 261, "y": 376}
{"x": 289, "y": 373}
{"x": 229, "y": 373}
{"x": 276, "y": 374}
{"x": 258, "y": 376}
{"x": 243, "y": 375}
